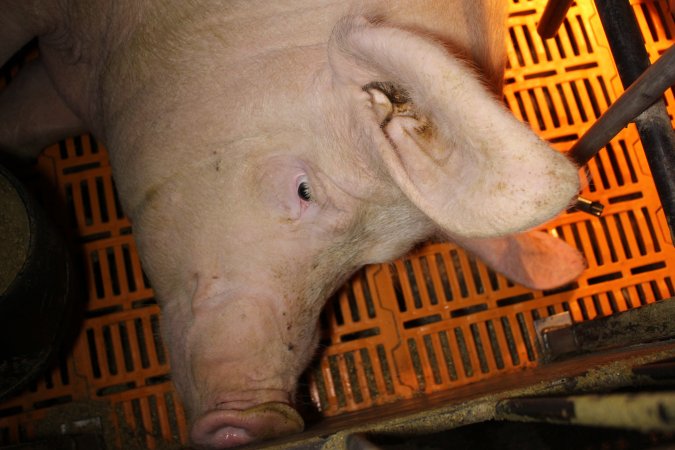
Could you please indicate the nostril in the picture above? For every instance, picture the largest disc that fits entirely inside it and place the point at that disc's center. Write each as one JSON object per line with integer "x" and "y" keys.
{"x": 218, "y": 429}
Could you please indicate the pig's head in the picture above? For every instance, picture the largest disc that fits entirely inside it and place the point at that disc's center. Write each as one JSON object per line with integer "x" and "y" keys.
{"x": 327, "y": 159}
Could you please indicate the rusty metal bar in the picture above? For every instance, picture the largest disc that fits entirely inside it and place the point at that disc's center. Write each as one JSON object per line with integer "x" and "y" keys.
{"x": 651, "y": 322}
{"x": 644, "y": 411}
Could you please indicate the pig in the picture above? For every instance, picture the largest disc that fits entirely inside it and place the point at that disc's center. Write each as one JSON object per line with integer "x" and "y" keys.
{"x": 264, "y": 151}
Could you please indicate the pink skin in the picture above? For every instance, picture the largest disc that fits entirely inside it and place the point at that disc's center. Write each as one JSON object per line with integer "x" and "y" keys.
{"x": 243, "y": 426}
{"x": 215, "y": 121}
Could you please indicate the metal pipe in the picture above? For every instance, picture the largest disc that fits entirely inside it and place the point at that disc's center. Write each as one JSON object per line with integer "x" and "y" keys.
{"x": 643, "y": 411}
{"x": 553, "y": 17}
{"x": 654, "y": 126}
{"x": 643, "y": 93}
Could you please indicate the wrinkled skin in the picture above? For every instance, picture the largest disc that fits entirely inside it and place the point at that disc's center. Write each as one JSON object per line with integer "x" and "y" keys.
{"x": 266, "y": 150}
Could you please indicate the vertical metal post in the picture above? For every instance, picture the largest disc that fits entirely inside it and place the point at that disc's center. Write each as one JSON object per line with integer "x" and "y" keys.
{"x": 654, "y": 126}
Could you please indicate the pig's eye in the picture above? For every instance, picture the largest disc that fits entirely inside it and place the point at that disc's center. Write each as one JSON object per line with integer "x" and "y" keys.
{"x": 304, "y": 191}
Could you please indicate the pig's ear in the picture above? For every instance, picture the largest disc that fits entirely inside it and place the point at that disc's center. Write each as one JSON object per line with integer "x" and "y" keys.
{"x": 450, "y": 146}
{"x": 534, "y": 259}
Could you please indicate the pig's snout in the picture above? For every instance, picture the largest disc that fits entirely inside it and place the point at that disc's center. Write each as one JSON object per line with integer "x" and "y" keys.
{"x": 222, "y": 428}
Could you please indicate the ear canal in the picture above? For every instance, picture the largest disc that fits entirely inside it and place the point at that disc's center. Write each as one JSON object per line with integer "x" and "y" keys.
{"x": 449, "y": 145}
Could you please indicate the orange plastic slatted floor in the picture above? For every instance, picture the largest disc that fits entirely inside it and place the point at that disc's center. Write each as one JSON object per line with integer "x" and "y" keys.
{"x": 432, "y": 321}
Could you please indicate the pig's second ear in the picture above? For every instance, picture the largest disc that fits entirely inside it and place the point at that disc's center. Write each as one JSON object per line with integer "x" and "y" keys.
{"x": 449, "y": 145}
{"x": 534, "y": 259}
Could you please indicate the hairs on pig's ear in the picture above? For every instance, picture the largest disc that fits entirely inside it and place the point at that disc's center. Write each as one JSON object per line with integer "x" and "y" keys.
{"x": 586, "y": 179}
{"x": 453, "y": 150}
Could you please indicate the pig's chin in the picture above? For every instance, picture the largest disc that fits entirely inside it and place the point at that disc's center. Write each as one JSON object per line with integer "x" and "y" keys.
{"x": 225, "y": 428}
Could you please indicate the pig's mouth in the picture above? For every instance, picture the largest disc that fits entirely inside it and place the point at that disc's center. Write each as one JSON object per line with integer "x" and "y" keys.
{"x": 224, "y": 428}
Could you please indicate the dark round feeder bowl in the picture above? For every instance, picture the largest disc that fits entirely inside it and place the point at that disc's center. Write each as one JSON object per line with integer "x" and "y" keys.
{"x": 36, "y": 287}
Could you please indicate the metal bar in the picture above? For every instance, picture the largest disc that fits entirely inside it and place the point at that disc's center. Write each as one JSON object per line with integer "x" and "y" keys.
{"x": 553, "y": 17}
{"x": 644, "y": 92}
{"x": 651, "y": 322}
{"x": 645, "y": 411}
{"x": 654, "y": 126}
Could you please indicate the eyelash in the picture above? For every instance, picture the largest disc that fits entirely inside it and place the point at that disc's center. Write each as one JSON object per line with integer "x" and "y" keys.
{"x": 304, "y": 191}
